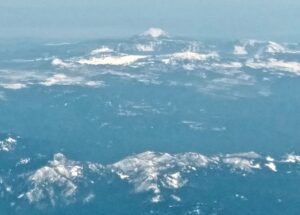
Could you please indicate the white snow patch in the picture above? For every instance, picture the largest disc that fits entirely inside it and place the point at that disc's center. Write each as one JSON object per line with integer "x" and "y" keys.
{"x": 61, "y": 63}
{"x": 273, "y": 48}
{"x": 230, "y": 65}
{"x": 62, "y": 79}
{"x": 197, "y": 126}
{"x": 239, "y": 50}
{"x": 156, "y": 199}
{"x": 58, "y": 44}
{"x": 291, "y": 158}
{"x": 271, "y": 166}
{"x": 13, "y": 86}
{"x": 60, "y": 173}
{"x": 193, "y": 56}
{"x": 154, "y": 33}
{"x": 269, "y": 158}
{"x": 149, "y": 171}
{"x": 23, "y": 161}
{"x": 242, "y": 161}
{"x": 174, "y": 180}
{"x": 176, "y": 198}
{"x": 288, "y": 66}
{"x": 145, "y": 47}
{"x": 8, "y": 144}
{"x": 89, "y": 198}
{"x": 103, "y": 49}
{"x": 112, "y": 60}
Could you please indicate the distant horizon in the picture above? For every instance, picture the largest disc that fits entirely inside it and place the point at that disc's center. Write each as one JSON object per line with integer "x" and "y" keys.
{"x": 73, "y": 20}
{"x": 107, "y": 36}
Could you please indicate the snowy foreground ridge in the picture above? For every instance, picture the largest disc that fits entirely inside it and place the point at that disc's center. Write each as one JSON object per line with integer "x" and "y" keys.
{"x": 63, "y": 179}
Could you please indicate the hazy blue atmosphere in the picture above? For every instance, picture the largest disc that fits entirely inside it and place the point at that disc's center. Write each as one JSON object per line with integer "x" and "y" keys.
{"x": 233, "y": 19}
{"x": 137, "y": 107}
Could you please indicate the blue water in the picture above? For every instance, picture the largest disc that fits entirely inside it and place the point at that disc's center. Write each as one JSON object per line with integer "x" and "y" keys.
{"x": 149, "y": 125}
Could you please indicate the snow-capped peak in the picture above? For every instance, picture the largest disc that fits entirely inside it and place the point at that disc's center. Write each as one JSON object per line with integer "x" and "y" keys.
{"x": 154, "y": 33}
